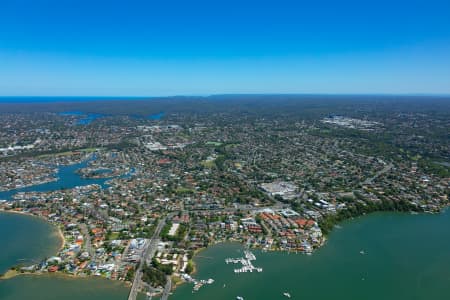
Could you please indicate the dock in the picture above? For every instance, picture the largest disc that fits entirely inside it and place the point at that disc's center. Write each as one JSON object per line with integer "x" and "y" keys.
{"x": 246, "y": 261}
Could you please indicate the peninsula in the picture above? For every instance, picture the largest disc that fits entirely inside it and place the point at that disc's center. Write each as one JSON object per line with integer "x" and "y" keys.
{"x": 276, "y": 176}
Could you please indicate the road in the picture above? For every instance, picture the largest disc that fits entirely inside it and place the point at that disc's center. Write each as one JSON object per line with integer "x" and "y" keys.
{"x": 151, "y": 248}
{"x": 278, "y": 205}
{"x": 87, "y": 240}
{"x": 167, "y": 288}
{"x": 384, "y": 170}
{"x": 148, "y": 253}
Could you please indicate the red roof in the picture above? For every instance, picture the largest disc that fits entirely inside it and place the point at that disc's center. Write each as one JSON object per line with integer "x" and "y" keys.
{"x": 53, "y": 269}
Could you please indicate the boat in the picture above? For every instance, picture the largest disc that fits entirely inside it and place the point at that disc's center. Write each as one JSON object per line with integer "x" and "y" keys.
{"x": 362, "y": 252}
{"x": 239, "y": 298}
{"x": 197, "y": 286}
{"x": 286, "y": 294}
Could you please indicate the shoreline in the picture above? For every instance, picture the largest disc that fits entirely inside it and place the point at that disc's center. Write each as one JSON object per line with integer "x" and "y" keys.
{"x": 30, "y": 185}
{"x": 322, "y": 244}
{"x": 61, "y": 275}
{"x": 56, "y": 226}
{"x": 11, "y": 273}
{"x": 54, "y": 178}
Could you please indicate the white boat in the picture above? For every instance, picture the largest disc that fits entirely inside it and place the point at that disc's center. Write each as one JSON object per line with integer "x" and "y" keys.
{"x": 286, "y": 294}
{"x": 239, "y": 298}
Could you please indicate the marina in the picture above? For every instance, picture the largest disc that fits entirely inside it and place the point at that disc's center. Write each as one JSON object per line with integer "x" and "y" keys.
{"x": 392, "y": 255}
{"x": 246, "y": 261}
{"x": 197, "y": 283}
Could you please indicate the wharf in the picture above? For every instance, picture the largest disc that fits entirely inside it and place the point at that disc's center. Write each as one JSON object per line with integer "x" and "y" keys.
{"x": 246, "y": 261}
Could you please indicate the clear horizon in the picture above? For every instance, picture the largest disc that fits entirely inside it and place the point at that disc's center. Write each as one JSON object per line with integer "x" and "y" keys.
{"x": 108, "y": 49}
{"x": 123, "y": 97}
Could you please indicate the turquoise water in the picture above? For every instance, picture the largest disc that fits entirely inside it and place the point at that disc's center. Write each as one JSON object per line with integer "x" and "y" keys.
{"x": 67, "y": 178}
{"x": 51, "y": 287}
{"x": 28, "y": 239}
{"x": 25, "y": 239}
{"x": 406, "y": 257}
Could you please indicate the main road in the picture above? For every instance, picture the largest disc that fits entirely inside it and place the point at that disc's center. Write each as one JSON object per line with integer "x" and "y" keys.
{"x": 87, "y": 238}
{"x": 167, "y": 288}
{"x": 146, "y": 257}
{"x": 378, "y": 174}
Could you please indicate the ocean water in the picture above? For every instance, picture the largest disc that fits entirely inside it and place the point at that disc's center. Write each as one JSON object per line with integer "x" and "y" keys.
{"x": 20, "y": 99}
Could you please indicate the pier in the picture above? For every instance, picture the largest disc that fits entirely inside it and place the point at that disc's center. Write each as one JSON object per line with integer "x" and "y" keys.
{"x": 246, "y": 261}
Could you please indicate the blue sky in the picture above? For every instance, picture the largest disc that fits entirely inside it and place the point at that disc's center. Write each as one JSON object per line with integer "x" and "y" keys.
{"x": 151, "y": 48}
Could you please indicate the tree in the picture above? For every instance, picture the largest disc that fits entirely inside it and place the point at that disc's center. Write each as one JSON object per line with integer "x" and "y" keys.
{"x": 189, "y": 267}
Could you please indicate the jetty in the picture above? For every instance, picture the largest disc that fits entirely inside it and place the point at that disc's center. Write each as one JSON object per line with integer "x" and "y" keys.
{"x": 246, "y": 262}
